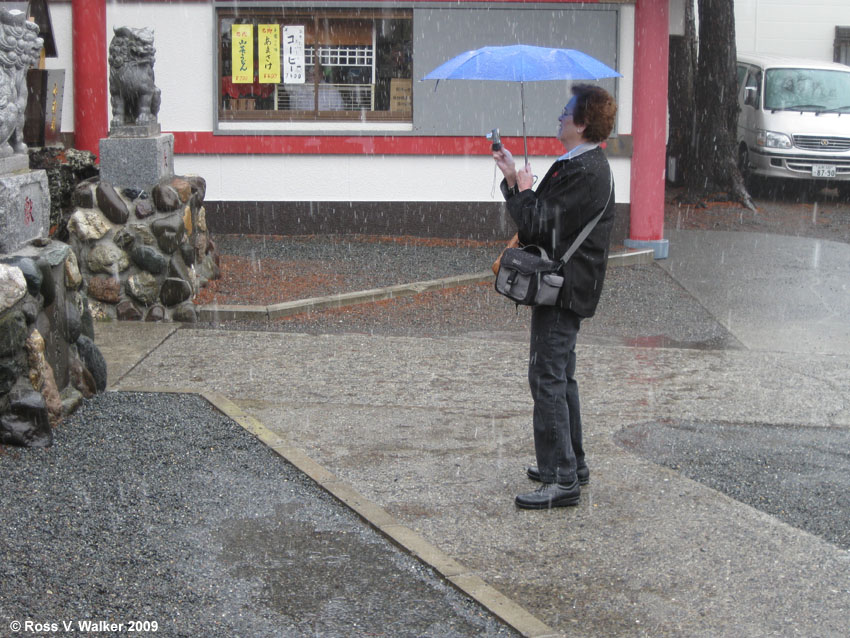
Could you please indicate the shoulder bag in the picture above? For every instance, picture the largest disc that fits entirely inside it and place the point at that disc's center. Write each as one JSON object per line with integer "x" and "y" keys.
{"x": 529, "y": 278}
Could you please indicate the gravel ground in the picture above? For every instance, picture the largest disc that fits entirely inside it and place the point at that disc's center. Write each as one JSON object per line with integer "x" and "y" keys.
{"x": 799, "y": 474}
{"x": 157, "y": 508}
{"x": 268, "y": 269}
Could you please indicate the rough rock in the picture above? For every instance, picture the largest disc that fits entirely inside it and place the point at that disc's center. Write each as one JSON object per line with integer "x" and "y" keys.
{"x": 88, "y": 224}
{"x": 13, "y": 286}
{"x": 13, "y": 333}
{"x": 165, "y": 198}
{"x": 143, "y": 287}
{"x": 124, "y": 239}
{"x": 183, "y": 188}
{"x": 73, "y": 277}
{"x": 187, "y": 219}
{"x": 107, "y": 258}
{"x": 105, "y": 288}
{"x": 83, "y": 195}
{"x": 178, "y": 268}
{"x": 111, "y": 204}
{"x": 71, "y": 399}
{"x": 175, "y": 291}
{"x": 199, "y": 184}
{"x": 156, "y": 313}
{"x": 41, "y": 376}
{"x": 10, "y": 369}
{"x": 144, "y": 208}
{"x": 73, "y": 322}
{"x": 30, "y": 306}
{"x": 126, "y": 311}
{"x": 143, "y": 233}
{"x": 201, "y": 222}
{"x": 169, "y": 232}
{"x": 26, "y": 424}
{"x": 187, "y": 252}
{"x": 81, "y": 378}
{"x": 32, "y": 273}
{"x": 186, "y": 313}
{"x": 93, "y": 361}
{"x": 148, "y": 258}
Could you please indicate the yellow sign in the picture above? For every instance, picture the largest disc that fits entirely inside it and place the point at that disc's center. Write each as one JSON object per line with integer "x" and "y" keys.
{"x": 243, "y": 53}
{"x": 269, "y": 52}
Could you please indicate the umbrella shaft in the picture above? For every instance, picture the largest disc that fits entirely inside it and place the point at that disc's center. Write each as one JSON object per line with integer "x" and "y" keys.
{"x": 522, "y": 103}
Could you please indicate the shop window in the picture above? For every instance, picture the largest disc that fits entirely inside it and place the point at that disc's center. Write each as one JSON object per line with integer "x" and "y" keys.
{"x": 305, "y": 64}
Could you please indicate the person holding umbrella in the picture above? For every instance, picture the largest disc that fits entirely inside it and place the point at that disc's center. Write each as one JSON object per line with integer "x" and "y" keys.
{"x": 575, "y": 189}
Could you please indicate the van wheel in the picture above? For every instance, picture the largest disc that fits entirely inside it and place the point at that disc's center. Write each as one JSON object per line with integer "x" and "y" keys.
{"x": 844, "y": 191}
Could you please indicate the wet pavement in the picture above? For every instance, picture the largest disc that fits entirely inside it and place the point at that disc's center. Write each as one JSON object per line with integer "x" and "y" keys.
{"x": 696, "y": 371}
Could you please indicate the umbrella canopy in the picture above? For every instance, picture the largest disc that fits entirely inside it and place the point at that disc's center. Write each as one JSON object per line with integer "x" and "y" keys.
{"x": 522, "y": 63}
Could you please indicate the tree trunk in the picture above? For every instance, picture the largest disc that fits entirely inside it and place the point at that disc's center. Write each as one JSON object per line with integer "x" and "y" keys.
{"x": 713, "y": 163}
{"x": 680, "y": 98}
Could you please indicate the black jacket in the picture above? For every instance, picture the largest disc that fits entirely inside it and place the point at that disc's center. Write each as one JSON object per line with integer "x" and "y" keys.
{"x": 570, "y": 195}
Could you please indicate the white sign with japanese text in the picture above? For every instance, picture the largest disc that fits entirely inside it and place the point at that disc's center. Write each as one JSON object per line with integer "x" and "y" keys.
{"x": 293, "y": 54}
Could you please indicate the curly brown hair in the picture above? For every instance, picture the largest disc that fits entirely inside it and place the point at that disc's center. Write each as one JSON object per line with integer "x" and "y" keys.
{"x": 595, "y": 110}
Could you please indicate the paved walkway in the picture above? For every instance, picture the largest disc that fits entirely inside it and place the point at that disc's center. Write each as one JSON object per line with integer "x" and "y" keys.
{"x": 428, "y": 438}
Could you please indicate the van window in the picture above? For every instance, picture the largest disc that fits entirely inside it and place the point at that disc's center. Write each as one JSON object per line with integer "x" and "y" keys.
{"x": 807, "y": 89}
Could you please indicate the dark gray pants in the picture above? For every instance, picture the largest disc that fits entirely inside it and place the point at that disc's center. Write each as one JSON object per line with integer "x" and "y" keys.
{"x": 551, "y": 377}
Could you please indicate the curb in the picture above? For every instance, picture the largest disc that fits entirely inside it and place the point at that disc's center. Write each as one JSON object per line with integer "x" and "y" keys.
{"x": 216, "y": 313}
{"x": 459, "y": 576}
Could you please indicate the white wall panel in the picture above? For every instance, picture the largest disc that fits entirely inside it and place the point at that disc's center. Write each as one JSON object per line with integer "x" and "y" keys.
{"x": 360, "y": 178}
{"x": 799, "y": 29}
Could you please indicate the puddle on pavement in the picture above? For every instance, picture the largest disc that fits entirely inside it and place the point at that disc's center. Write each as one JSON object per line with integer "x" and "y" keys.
{"x": 800, "y": 474}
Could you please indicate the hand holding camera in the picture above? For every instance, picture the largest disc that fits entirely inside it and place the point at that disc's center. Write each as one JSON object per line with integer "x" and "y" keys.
{"x": 493, "y": 136}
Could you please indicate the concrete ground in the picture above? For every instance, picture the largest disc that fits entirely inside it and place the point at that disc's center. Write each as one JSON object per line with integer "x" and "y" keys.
{"x": 427, "y": 438}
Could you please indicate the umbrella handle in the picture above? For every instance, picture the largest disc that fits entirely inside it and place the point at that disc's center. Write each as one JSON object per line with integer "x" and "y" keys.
{"x": 522, "y": 103}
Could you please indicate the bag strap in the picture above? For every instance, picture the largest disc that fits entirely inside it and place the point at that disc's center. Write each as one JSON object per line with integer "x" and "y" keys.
{"x": 588, "y": 227}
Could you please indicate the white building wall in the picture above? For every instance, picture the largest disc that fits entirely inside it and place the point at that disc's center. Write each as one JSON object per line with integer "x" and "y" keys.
{"x": 790, "y": 27}
{"x": 183, "y": 36}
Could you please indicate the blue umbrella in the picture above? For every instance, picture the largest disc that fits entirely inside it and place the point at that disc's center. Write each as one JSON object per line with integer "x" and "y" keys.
{"x": 522, "y": 63}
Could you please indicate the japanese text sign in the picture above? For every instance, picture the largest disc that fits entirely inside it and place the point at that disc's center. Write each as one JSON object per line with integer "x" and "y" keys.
{"x": 243, "y": 53}
{"x": 293, "y": 54}
{"x": 269, "y": 52}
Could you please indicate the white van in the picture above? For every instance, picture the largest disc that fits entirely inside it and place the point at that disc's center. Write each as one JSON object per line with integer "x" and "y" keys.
{"x": 795, "y": 119}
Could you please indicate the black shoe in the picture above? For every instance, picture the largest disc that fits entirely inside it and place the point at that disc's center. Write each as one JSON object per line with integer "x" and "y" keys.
{"x": 550, "y": 495}
{"x": 583, "y": 474}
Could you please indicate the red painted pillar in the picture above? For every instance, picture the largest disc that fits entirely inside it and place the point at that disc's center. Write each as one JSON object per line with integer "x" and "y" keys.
{"x": 649, "y": 126}
{"x": 88, "y": 19}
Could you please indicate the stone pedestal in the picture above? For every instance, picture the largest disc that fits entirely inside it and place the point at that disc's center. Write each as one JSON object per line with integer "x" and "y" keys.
{"x": 24, "y": 208}
{"x": 137, "y": 162}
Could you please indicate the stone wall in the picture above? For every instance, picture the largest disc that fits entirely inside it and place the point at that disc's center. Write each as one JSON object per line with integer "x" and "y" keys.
{"x": 48, "y": 360}
{"x": 143, "y": 254}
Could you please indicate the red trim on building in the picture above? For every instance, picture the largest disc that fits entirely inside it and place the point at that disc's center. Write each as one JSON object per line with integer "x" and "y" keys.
{"x": 206, "y": 143}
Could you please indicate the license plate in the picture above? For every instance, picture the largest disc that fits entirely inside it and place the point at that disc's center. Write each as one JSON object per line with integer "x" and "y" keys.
{"x": 823, "y": 170}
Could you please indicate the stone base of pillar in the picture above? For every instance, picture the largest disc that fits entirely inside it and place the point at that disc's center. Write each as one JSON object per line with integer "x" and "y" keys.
{"x": 660, "y": 247}
{"x": 137, "y": 162}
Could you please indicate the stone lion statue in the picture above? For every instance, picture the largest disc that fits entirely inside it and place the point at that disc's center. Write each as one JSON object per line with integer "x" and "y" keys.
{"x": 20, "y": 47}
{"x": 135, "y": 98}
